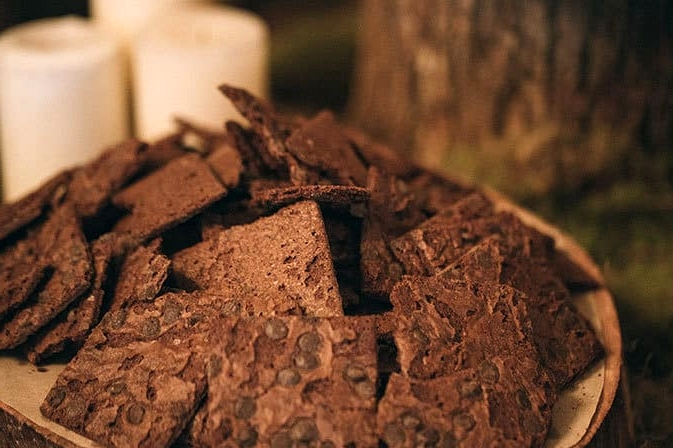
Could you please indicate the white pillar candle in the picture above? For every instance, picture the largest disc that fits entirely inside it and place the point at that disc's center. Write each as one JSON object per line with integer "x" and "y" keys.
{"x": 62, "y": 99}
{"x": 179, "y": 60}
{"x": 125, "y": 18}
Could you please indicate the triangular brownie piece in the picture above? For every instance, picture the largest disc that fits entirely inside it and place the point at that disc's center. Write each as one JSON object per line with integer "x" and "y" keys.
{"x": 279, "y": 264}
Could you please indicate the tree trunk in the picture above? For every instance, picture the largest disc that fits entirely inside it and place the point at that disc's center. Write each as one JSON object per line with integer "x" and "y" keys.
{"x": 527, "y": 95}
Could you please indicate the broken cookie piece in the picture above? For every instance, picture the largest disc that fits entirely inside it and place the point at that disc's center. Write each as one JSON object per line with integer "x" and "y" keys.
{"x": 62, "y": 239}
{"x": 465, "y": 409}
{"x": 288, "y": 381}
{"x": 141, "y": 374}
{"x": 72, "y": 327}
{"x": 141, "y": 276}
{"x": 276, "y": 265}
{"x": 168, "y": 196}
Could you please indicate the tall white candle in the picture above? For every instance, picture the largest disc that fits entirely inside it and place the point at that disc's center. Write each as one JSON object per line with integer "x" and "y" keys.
{"x": 125, "y": 18}
{"x": 179, "y": 60}
{"x": 62, "y": 99}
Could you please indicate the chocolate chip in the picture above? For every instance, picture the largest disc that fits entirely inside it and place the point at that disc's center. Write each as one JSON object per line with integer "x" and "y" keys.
{"x": 151, "y": 327}
{"x": 411, "y": 421}
{"x": 56, "y": 397}
{"x": 428, "y": 437}
{"x": 281, "y": 440}
{"x": 489, "y": 372}
{"x": 117, "y": 319}
{"x": 365, "y": 389}
{"x": 247, "y": 437}
{"x": 288, "y": 377}
{"x": 135, "y": 414}
{"x": 355, "y": 373}
{"x": 304, "y": 430}
{"x": 306, "y": 361}
{"x": 309, "y": 342}
{"x": 393, "y": 435}
{"x": 75, "y": 409}
{"x": 522, "y": 399}
{"x": 463, "y": 421}
{"x": 470, "y": 389}
{"x": 275, "y": 329}
{"x": 116, "y": 388}
{"x": 172, "y": 312}
{"x": 245, "y": 408}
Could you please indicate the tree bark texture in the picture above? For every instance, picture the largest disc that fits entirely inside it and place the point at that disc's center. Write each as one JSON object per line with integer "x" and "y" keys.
{"x": 527, "y": 95}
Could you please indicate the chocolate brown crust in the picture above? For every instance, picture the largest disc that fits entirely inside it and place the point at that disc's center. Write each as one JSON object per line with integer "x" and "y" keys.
{"x": 141, "y": 275}
{"x": 168, "y": 196}
{"x": 21, "y": 270}
{"x": 16, "y": 215}
{"x": 276, "y": 265}
{"x": 93, "y": 185}
{"x": 275, "y": 381}
{"x": 139, "y": 377}
{"x": 63, "y": 241}
{"x": 335, "y": 196}
{"x": 73, "y": 326}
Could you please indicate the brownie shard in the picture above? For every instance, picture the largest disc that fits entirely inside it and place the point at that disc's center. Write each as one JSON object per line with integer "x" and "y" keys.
{"x": 445, "y": 325}
{"x": 492, "y": 404}
{"x": 72, "y": 328}
{"x": 168, "y": 196}
{"x": 435, "y": 193}
{"x": 566, "y": 342}
{"x": 141, "y": 275}
{"x": 439, "y": 241}
{"x": 271, "y": 131}
{"x": 279, "y": 264}
{"x": 281, "y": 381}
{"x": 564, "y": 339}
{"x": 483, "y": 263}
{"x": 348, "y": 198}
{"x": 226, "y": 163}
{"x": 16, "y": 215}
{"x": 379, "y": 155}
{"x": 458, "y": 337}
{"x": 140, "y": 376}
{"x": 93, "y": 185}
{"x": 61, "y": 238}
{"x": 21, "y": 269}
{"x": 320, "y": 144}
{"x": 390, "y": 213}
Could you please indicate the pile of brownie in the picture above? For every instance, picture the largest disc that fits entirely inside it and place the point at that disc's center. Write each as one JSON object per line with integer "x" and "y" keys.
{"x": 287, "y": 283}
